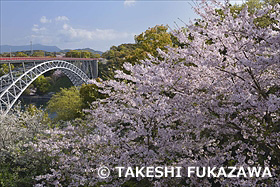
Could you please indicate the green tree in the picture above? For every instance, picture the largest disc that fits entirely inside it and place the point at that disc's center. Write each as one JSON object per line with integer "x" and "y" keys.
{"x": 67, "y": 104}
{"x": 90, "y": 93}
{"x": 38, "y": 54}
{"x": 146, "y": 43}
{"x": 150, "y": 40}
{"x": 115, "y": 57}
{"x": 4, "y": 69}
{"x": 42, "y": 84}
{"x": 95, "y": 55}
{"x": 79, "y": 54}
{"x": 21, "y": 54}
{"x": 5, "y": 54}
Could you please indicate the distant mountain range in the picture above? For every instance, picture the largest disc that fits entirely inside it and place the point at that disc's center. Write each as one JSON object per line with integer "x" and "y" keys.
{"x": 85, "y": 49}
{"x": 8, "y": 48}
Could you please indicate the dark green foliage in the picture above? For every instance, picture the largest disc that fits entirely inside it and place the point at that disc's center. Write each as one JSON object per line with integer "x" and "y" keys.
{"x": 17, "y": 170}
{"x": 90, "y": 93}
{"x": 61, "y": 82}
{"x": 42, "y": 84}
{"x": 115, "y": 57}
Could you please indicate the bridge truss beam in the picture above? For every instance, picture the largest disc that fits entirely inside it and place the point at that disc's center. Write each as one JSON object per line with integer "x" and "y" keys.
{"x": 13, "y": 84}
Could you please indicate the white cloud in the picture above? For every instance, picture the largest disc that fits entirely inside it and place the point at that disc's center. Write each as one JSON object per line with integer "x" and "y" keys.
{"x": 129, "y": 2}
{"x": 60, "y": 32}
{"x": 61, "y": 18}
{"x": 97, "y": 34}
{"x": 45, "y": 20}
{"x": 37, "y": 29}
{"x": 64, "y": 34}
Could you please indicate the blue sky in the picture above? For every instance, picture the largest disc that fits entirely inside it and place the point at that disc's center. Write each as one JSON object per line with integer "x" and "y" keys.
{"x": 79, "y": 24}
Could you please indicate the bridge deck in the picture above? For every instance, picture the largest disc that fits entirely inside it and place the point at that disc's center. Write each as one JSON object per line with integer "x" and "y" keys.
{"x": 4, "y": 60}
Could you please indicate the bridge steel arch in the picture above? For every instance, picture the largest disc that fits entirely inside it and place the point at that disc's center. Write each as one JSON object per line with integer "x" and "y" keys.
{"x": 10, "y": 94}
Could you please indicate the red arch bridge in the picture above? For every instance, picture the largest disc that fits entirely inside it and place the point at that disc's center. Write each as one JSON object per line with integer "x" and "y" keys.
{"x": 23, "y": 71}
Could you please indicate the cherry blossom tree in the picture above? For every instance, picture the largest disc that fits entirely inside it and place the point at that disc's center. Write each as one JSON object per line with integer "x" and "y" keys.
{"x": 19, "y": 162}
{"x": 57, "y": 74}
{"x": 213, "y": 102}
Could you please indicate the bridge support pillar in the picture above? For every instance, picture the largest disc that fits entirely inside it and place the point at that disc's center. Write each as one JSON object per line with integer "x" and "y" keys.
{"x": 10, "y": 71}
{"x": 90, "y": 68}
{"x": 95, "y": 69}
